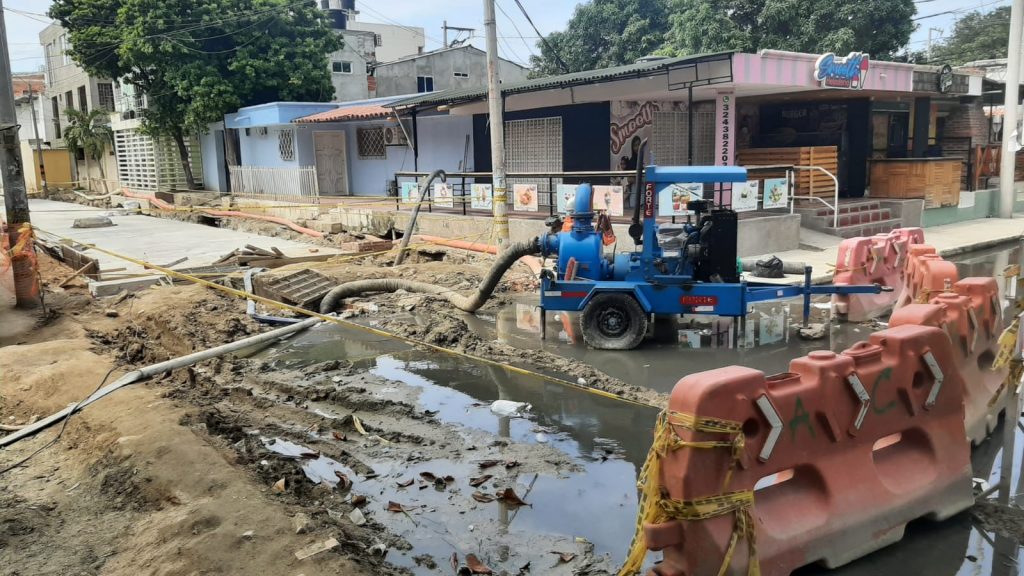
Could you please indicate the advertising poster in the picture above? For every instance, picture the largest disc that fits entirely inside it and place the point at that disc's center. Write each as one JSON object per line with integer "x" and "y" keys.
{"x": 528, "y": 318}
{"x": 565, "y": 198}
{"x": 443, "y": 196}
{"x": 744, "y": 195}
{"x": 776, "y": 193}
{"x": 608, "y": 199}
{"x": 672, "y": 199}
{"x": 480, "y": 197}
{"x": 410, "y": 192}
{"x": 524, "y": 197}
{"x": 631, "y": 123}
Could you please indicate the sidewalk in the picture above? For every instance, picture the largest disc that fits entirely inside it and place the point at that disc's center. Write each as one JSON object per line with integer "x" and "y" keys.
{"x": 155, "y": 240}
{"x": 820, "y": 250}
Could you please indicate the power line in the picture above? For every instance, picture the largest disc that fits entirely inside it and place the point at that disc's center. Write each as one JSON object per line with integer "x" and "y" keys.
{"x": 399, "y": 24}
{"x": 558, "y": 58}
{"x": 957, "y": 11}
{"x": 518, "y": 31}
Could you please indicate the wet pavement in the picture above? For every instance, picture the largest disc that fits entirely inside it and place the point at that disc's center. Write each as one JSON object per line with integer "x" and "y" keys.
{"x": 609, "y": 439}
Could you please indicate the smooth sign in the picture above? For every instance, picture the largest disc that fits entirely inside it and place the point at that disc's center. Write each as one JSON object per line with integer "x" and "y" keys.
{"x": 848, "y": 73}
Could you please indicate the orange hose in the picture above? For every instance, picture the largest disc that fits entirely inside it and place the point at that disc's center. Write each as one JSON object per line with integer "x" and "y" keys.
{"x": 228, "y": 213}
{"x": 274, "y": 219}
{"x": 532, "y": 261}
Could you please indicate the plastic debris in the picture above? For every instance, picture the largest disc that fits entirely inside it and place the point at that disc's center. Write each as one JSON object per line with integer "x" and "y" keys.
{"x": 509, "y": 408}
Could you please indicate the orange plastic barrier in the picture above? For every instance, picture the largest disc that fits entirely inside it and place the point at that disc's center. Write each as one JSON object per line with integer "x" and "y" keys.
{"x": 878, "y": 259}
{"x": 971, "y": 316}
{"x": 824, "y": 464}
{"x": 927, "y": 275}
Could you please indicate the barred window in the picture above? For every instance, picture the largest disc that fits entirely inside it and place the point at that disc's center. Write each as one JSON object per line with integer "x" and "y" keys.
{"x": 286, "y": 144}
{"x": 370, "y": 142}
{"x": 106, "y": 95}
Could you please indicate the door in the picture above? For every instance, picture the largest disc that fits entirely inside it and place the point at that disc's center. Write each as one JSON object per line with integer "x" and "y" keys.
{"x": 331, "y": 163}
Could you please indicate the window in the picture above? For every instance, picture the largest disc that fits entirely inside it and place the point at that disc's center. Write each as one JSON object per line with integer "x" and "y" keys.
{"x": 106, "y": 96}
{"x": 341, "y": 67}
{"x": 56, "y": 116}
{"x": 460, "y": 74}
{"x": 69, "y": 100}
{"x": 325, "y": 5}
{"x": 286, "y": 145}
{"x": 377, "y": 40}
{"x": 370, "y": 142}
{"x": 82, "y": 100}
{"x": 424, "y": 83}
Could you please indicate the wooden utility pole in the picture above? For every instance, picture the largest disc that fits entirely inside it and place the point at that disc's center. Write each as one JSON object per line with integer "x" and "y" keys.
{"x": 497, "y": 122}
{"x": 1011, "y": 138}
{"x": 23, "y": 261}
{"x": 39, "y": 141}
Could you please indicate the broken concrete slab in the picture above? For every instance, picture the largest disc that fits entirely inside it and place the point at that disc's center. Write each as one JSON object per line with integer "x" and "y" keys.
{"x": 93, "y": 222}
{"x": 102, "y": 288}
{"x": 327, "y": 227}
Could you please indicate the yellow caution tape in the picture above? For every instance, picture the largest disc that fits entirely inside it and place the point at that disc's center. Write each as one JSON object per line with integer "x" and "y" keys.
{"x": 656, "y": 509}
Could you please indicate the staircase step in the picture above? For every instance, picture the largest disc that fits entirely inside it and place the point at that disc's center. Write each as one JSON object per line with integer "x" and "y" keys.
{"x": 846, "y": 209}
{"x": 869, "y": 228}
{"x": 864, "y": 217}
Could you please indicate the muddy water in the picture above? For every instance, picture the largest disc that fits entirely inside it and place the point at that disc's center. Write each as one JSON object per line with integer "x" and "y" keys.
{"x": 609, "y": 440}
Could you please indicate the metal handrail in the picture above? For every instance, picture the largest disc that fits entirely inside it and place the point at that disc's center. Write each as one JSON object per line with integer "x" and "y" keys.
{"x": 835, "y": 208}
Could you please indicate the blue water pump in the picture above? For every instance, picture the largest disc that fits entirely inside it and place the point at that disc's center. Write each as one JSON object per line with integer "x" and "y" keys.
{"x": 686, "y": 268}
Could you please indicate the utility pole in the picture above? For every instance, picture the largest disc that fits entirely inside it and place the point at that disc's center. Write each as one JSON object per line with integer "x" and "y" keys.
{"x": 23, "y": 262}
{"x": 497, "y": 121}
{"x": 39, "y": 142}
{"x": 928, "y": 50}
{"x": 1011, "y": 138}
{"x": 445, "y": 28}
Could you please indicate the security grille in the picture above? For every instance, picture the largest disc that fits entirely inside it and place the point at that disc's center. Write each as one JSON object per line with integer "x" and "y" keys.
{"x": 670, "y": 138}
{"x": 148, "y": 164}
{"x": 534, "y": 145}
{"x": 704, "y": 134}
{"x": 286, "y": 145}
{"x": 370, "y": 142}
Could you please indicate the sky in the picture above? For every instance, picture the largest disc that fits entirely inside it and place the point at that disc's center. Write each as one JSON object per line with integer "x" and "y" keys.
{"x": 517, "y": 40}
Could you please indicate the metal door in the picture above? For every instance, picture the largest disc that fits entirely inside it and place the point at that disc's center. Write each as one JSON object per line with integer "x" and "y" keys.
{"x": 331, "y": 163}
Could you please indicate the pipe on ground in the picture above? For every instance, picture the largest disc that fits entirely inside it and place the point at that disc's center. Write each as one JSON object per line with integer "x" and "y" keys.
{"x": 274, "y": 219}
{"x": 470, "y": 303}
{"x": 531, "y": 261}
{"x": 155, "y": 369}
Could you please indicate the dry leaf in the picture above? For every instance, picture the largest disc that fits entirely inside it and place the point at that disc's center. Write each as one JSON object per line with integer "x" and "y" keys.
{"x": 487, "y": 463}
{"x": 339, "y": 436}
{"x": 310, "y": 454}
{"x": 509, "y": 497}
{"x": 474, "y": 482}
{"x": 449, "y": 479}
{"x": 343, "y": 482}
{"x": 511, "y": 464}
{"x": 279, "y": 485}
{"x": 476, "y": 566}
{"x": 564, "y": 556}
{"x": 455, "y": 562}
{"x": 358, "y": 424}
{"x": 481, "y": 497}
{"x": 358, "y": 500}
{"x": 395, "y": 507}
{"x": 428, "y": 476}
{"x": 524, "y": 569}
{"x": 405, "y": 484}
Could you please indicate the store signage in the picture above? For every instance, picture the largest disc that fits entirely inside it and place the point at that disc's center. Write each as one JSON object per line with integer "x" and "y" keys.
{"x": 698, "y": 300}
{"x": 725, "y": 131}
{"x": 945, "y": 78}
{"x": 848, "y": 73}
{"x": 621, "y": 133}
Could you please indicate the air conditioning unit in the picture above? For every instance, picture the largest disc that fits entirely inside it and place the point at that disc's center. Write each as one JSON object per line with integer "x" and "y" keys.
{"x": 395, "y": 136}
{"x": 261, "y": 130}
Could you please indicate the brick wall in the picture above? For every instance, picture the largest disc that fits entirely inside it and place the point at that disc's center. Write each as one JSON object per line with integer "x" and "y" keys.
{"x": 966, "y": 127}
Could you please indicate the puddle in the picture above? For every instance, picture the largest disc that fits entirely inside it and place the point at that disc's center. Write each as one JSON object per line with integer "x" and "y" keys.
{"x": 609, "y": 441}
{"x": 318, "y": 468}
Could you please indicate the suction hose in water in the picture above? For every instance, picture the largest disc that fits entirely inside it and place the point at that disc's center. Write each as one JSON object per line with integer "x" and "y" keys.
{"x": 470, "y": 303}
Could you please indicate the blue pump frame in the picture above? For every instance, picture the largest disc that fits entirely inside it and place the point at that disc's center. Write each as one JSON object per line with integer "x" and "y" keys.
{"x": 657, "y": 292}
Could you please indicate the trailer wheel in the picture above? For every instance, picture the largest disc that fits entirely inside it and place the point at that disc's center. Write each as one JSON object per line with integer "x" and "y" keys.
{"x": 614, "y": 321}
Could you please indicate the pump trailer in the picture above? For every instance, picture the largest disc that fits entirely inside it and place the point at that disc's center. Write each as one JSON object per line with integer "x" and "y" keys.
{"x": 688, "y": 268}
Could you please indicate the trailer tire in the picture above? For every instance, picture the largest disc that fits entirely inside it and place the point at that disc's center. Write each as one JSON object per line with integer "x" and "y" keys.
{"x": 613, "y": 321}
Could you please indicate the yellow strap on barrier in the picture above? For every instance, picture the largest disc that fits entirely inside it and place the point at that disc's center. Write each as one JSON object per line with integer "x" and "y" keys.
{"x": 655, "y": 508}
{"x": 25, "y": 236}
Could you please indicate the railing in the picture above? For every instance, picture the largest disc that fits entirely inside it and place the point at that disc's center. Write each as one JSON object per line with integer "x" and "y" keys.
{"x": 835, "y": 199}
{"x": 282, "y": 184}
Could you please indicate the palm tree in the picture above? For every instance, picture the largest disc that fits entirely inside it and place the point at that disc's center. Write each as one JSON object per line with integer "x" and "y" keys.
{"x": 90, "y": 131}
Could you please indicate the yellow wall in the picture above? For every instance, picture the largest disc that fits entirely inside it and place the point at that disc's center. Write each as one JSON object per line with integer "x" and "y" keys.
{"x": 58, "y": 168}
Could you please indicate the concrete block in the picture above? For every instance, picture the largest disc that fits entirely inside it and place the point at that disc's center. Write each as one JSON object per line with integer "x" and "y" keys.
{"x": 117, "y": 200}
{"x": 101, "y": 288}
{"x": 188, "y": 197}
{"x": 327, "y": 227}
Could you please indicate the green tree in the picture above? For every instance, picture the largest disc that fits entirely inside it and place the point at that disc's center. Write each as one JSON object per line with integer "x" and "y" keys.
{"x": 615, "y": 32}
{"x": 198, "y": 59}
{"x": 877, "y": 27}
{"x": 976, "y": 36}
{"x": 604, "y": 33}
{"x": 91, "y": 132}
